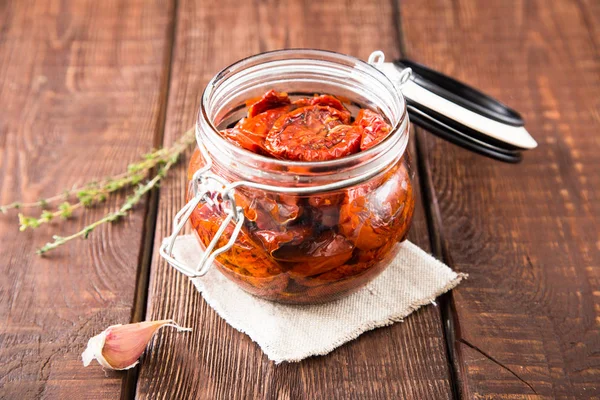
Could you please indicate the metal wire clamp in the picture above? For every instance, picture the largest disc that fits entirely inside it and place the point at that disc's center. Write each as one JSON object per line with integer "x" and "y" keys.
{"x": 398, "y": 77}
{"x": 232, "y": 213}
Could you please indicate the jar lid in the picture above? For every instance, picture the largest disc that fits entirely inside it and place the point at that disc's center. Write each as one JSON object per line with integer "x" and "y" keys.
{"x": 457, "y": 112}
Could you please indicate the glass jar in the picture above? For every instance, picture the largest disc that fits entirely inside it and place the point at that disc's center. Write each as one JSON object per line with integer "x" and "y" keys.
{"x": 299, "y": 232}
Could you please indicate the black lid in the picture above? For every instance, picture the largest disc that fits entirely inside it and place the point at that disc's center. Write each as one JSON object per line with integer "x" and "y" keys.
{"x": 479, "y": 114}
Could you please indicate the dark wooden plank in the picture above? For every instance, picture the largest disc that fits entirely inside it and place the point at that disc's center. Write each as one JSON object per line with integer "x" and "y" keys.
{"x": 528, "y": 322}
{"x": 81, "y": 89}
{"x": 406, "y": 360}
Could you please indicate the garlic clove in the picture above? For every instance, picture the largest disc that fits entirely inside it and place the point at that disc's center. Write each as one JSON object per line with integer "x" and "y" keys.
{"x": 120, "y": 346}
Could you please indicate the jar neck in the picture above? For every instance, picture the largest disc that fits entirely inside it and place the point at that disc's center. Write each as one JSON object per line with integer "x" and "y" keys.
{"x": 301, "y": 72}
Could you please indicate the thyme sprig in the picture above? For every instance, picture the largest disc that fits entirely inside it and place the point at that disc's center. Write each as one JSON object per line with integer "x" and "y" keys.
{"x": 122, "y": 212}
{"x": 96, "y": 192}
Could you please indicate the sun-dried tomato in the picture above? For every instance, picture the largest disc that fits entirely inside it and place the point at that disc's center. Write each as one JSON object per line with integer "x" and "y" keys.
{"x": 267, "y": 210}
{"x": 292, "y": 236}
{"x": 371, "y": 216}
{"x": 374, "y": 128}
{"x": 283, "y": 209}
{"x": 359, "y": 225}
{"x": 250, "y": 133}
{"x": 268, "y": 101}
{"x": 253, "y": 211}
{"x": 321, "y": 254}
{"x": 328, "y": 100}
{"x": 313, "y": 133}
{"x": 322, "y": 100}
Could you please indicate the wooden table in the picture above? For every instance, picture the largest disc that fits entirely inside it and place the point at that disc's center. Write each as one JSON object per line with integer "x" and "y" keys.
{"x": 86, "y": 86}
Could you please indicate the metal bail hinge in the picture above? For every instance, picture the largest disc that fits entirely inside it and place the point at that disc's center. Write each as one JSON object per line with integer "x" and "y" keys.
{"x": 398, "y": 76}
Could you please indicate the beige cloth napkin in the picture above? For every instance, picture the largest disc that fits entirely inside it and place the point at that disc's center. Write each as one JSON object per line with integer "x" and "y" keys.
{"x": 292, "y": 333}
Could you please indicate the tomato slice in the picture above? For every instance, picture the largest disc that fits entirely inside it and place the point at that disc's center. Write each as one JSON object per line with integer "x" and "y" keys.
{"x": 374, "y": 128}
{"x": 250, "y": 133}
{"x": 270, "y": 100}
{"x": 273, "y": 240}
{"x": 322, "y": 100}
{"x": 372, "y": 215}
{"x": 328, "y": 100}
{"x": 320, "y": 254}
{"x": 361, "y": 226}
{"x": 313, "y": 133}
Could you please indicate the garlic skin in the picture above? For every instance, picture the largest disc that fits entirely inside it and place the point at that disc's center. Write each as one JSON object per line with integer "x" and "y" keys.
{"x": 119, "y": 346}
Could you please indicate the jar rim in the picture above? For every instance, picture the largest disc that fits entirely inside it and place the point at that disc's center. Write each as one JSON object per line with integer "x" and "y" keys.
{"x": 205, "y": 125}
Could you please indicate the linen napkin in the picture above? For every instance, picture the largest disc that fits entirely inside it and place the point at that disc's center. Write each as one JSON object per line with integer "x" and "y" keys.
{"x": 294, "y": 332}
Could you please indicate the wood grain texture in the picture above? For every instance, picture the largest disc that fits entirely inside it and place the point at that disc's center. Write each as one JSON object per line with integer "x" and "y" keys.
{"x": 528, "y": 318}
{"x": 407, "y": 360}
{"x": 81, "y": 89}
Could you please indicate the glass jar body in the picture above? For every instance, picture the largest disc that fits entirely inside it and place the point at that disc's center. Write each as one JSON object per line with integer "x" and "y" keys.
{"x": 312, "y": 231}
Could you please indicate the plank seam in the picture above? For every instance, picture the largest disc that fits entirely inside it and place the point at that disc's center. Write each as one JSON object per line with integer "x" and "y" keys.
{"x": 129, "y": 385}
{"x": 433, "y": 218}
{"x": 450, "y": 325}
